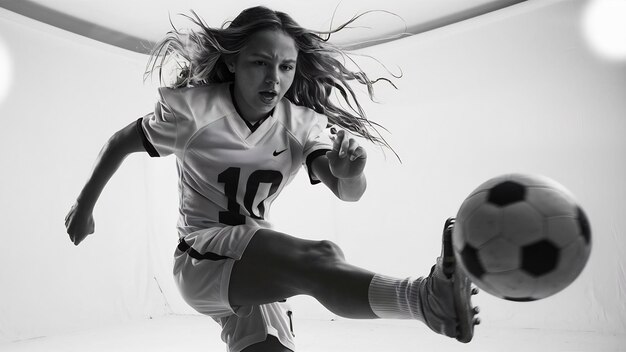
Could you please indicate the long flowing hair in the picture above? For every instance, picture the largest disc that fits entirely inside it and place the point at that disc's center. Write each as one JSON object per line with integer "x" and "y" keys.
{"x": 320, "y": 69}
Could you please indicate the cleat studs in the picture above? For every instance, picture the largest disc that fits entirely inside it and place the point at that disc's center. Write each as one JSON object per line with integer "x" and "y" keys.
{"x": 475, "y": 291}
{"x": 477, "y": 321}
{"x": 476, "y": 310}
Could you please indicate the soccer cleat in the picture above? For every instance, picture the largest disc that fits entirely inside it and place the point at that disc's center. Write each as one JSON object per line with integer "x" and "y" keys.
{"x": 446, "y": 295}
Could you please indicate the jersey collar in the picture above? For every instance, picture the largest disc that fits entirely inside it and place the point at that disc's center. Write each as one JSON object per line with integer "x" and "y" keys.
{"x": 251, "y": 134}
{"x": 252, "y": 127}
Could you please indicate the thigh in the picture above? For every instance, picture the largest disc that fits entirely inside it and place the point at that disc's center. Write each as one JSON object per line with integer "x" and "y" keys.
{"x": 269, "y": 345}
{"x": 271, "y": 269}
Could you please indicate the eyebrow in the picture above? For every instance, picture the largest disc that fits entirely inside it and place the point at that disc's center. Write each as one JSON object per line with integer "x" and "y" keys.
{"x": 269, "y": 57}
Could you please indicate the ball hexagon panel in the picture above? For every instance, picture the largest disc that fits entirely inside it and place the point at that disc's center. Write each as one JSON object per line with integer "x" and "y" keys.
{"x": 499, "y": 255}
{"x": 506, "y": 193}
{"x": 571, "y": 263}
{"x": 482, "y": 225}
{"x": 546, "y": 182}
{"x": 522, "y": 224}
{"x": 540, "y": 258}
{"x": 562, "y": 230}
{"x": 470, "y": 205}
{"x": 551, "y": 202}
{"x": 514, "y": 284}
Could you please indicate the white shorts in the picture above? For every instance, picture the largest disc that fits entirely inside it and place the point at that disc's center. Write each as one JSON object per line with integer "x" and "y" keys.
{"x": 203, "y": 262}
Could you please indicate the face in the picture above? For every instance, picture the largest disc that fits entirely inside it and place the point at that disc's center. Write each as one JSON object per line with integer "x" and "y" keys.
{"x": 264, "y": 71}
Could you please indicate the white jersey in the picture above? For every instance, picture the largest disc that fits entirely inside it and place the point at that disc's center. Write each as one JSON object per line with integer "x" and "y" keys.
{"x": 229, "y": 171}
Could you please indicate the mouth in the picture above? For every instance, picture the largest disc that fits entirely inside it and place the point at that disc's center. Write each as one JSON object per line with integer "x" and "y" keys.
{"x": 268, "y": 96}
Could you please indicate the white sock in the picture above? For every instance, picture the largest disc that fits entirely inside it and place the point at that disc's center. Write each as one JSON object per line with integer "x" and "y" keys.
{"x": 393, "y": 298}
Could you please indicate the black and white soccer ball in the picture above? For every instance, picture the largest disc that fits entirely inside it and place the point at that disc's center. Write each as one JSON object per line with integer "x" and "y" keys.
{"x": 521, "y": 237}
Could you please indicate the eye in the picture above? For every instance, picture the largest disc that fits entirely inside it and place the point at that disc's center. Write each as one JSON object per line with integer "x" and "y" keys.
{"x": 287, "y": 67}
{"x": 259, "y": 63}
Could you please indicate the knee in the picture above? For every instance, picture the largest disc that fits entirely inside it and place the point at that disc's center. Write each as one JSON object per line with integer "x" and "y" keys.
{"x": 317, "y": 266}
{"x": 331, "y": 249}
{"x": 323, "y": 253}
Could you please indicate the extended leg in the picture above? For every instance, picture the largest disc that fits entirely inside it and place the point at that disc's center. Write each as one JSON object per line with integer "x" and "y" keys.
{"x": 277, "y": 266}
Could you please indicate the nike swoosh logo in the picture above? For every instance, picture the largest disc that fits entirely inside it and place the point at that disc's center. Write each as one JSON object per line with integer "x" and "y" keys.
{"x": 278, "y": 153}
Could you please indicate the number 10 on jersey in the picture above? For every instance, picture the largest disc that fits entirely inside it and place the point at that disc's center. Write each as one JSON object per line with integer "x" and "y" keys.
{"x": 230, "y": 179}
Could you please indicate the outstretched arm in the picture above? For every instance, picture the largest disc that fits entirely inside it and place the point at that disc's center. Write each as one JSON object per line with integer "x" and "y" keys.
{"x": 79, "y": 221}
{"x": 341, "y": 169}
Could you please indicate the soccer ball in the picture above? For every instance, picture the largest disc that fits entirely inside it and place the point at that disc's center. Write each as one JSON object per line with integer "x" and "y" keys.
{"x": 521, "y": 237}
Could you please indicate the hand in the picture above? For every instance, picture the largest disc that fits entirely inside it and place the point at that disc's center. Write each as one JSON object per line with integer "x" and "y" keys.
{"x": 347, "y": 159}
{"x": 79, "y": 223}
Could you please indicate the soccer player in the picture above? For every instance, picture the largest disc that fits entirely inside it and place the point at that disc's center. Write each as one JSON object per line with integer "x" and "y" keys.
{"x": 249, "y": 109}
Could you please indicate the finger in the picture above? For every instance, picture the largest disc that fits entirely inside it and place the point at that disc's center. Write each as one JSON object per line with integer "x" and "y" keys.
{"x": 359, "y": 153}
{"x": 352, "y": 145}
{"x": 336, "y": 140}
{"x": 343, "y": 150}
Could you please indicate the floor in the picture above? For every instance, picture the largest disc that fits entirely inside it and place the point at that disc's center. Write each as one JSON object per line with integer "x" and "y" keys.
{"x": 198, "y": 333}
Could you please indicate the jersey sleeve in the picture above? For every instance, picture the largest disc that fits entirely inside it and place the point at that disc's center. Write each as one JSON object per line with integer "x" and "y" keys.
{"x": 166, "y": 130}
{"x": 318, "y": 142}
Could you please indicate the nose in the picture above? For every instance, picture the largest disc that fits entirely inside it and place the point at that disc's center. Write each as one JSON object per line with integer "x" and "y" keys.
{"x": 271, "y": 76}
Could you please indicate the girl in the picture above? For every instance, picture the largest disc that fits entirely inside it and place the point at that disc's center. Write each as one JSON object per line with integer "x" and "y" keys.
{"x": 250, "y": 106}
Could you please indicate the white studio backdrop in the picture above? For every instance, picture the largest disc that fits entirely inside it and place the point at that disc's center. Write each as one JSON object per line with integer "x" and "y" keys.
{"x": 513, "y": 91}
{"x": 67, "y": 96}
